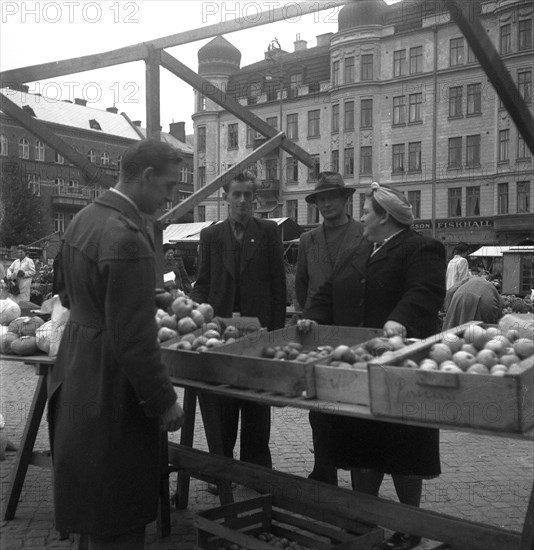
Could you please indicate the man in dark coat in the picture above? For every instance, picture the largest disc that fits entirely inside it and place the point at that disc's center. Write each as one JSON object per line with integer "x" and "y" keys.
{"x": 319, "y": 251}
{"x": 109, "y": 392}
{"x": 241, "y": 269}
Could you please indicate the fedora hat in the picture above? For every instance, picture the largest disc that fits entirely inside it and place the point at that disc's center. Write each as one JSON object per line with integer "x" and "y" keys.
{"x": 329, "y": 181}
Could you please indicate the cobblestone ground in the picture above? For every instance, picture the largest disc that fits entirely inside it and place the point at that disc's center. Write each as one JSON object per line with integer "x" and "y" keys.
{"x": 485, "y": 479}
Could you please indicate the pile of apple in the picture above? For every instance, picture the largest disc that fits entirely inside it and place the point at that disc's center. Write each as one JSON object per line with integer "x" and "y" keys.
{"x": 294, "y": 351}
{"x": 479, "y": 351}
{"x": 20, "y": 338}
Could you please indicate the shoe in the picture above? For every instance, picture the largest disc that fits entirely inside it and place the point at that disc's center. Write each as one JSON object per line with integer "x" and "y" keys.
{"x": 401, "y": 541}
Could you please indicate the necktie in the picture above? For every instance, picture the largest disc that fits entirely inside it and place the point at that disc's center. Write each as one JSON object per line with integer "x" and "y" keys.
{"x": 239, "y": 231}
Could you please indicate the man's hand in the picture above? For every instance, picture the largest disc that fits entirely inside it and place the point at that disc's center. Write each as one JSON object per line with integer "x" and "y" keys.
{"x": 172, "y": 419}
{"x": 392, "y": 328}
{"x": 20, "y": 274}
{"x": 305, "y": 325}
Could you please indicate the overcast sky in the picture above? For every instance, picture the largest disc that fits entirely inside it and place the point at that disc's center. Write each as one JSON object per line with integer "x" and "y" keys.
{"x": 40, "y": 32}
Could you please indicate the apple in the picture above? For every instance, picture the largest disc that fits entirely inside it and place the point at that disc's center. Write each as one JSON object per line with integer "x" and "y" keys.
{"x": 454, "y": 342}
{"x": 409, "y": 364}
{"x": 512, "y": 335}
{"x": 339, "y": 351}
{"x": 499, "y": 344}
{"x": 428, "y": 364}
{"x": 213, "y": 342}
{"x": 397, "y": 342}
{"x": 184, "y": 344}
{"x": 197, "y": 316}
{"x": 476, "y": 335}
{"x": 497, "y": 367}
{"x": 362, "y": 365}
{"x": 469, "y": 348}
{"x": 493, "y": 332}
{"x": 267, "y": 351}
{"x": 478, "y": 368}
{"x": 165, "y": 333}
{"x": 524, "y": 347}
{"x": 199, "y": 341}
{"x": 164, "y": 300}
{"x": 515, "y": 369}
{"x": 186, "y": 324}
{"x": 188, "y": 338}
{"x": 201, "y": 348}
{"x": 344, "y": 365}
{"x": 440, "y": 352}
{"x": 212, "y": 334}
{"x": 464, "y": 359}
{"x": 206, "y": 310}
{"x": 169, "y": 321}
{"x": 378, "y": 345}
{"x": 182, "y": 307}
{"x": 450, "y": 367}
{"x": 509, "y": 359}
{"x": 230, "y": 332}
{"x": 487, "y": 357}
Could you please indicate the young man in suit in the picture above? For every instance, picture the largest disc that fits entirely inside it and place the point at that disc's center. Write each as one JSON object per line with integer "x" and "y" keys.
{"x": 241, "y": 270}
{"x": 319, "y": 250}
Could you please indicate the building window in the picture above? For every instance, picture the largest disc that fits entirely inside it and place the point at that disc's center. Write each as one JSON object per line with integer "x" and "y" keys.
{"x": 202, "y": 102}
{"x": 504, "y": 142}
{"x": 414, "y": 198}
{"x": 502, "y": 198}
{"x": 474, "y": 99}
{"x": 505, "y": 41}
{"x": 91, "y": 156}
{"x": 416, "y": 60}
{"x": 313, "y": 213}
{"x": 456, "y": 56}
{"x": 201, "y": 213}
{"x": 313, "y": 171}
{"x": 334, "y": 165}
{"x": 272, "y": 92}
{"x": 184, "y": 174}
{"x": 349, "y": 70}
{"x": 201, "y": 144}
{"x": 366, "y": 120}
{"x": 58, "y": 158}
{"x": 292, "y": 125}
{"x": 398, "y": 158}
{"x": 455, "y": 202}
{"x": 455, "y": 101}
{"x": 414, "y": 156}
{"x": 472, "y": 150}
{"x": 366, "y": 161}
{"x": 60, "y": 182}
{"x": 295, "y": 82}
{"x": 233, "y": 141}
{"x": 367, "y": 67}
{"x": 362, "y": 202}
{"x": 292, "y": 170}
{"x": 314, "y": 87}
{"x": 348, "y": 161}
{"x": 416, "y": 100}
{"x": 523, "y": 152}
{"x": 104, "y": 159}
{"x": 473, "y": 201}
{"x": 313, "y": 123}
{"x": 3, "y": 146}
{"x": 335, "y": 118}
{"x": 523, "y": 197}
{"x": 272, "y": 121}
{"x": 34, "y": 183}
{"x": 335, "y": 73}
{"x": 24, "y": 148}
{"x": 73, "y": 184}
{"x": 271, "y": 169}
{"x": 59, "y": 222}
{"x": 399, "y": 110}
{"x": 39, "y": 150}
{"x": 527, "y": 273}
{"x": 292, "y": 209}
{"x": 524, "y": 36}
{"x": 399, "y": 63}
{"x": 524, "y": 83}
{"x": 250, "y": 136}
{"x": 471, "y": 57}
{"x": 253, "y": 93}
{"x": 348, "y": 118}
{"x": 201, "y": 176}
{"x": 349, "y": 205}
{"x": 455, "y": 152}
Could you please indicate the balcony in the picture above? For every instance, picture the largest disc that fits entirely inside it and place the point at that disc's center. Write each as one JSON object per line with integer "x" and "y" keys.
{"x": 514, "y": 223}
{"x": 71, "y": 197}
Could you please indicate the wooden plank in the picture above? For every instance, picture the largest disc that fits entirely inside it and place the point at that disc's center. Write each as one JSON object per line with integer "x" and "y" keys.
{"x": 494, "y": 67}
{"x": 229, "y": 534}
{"x": 138, "y": 52}
{"x": 153, "y": 124}
{"x": 349, "y": 504}
{"x": 91, "y": 172}
{"x": 527, "y": 536}
{"x": 204, "y": 192}
{"x": 231, "y": 105}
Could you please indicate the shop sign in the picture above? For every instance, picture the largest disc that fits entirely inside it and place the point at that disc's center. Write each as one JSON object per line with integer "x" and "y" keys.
{"x": 474, "y": 223}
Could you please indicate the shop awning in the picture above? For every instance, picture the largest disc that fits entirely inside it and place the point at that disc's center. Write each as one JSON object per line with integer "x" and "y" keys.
{"x": 180, "y": 232}
{"x": 497, "y": 251}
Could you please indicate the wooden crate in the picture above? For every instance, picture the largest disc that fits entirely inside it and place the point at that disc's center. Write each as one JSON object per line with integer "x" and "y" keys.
{"x": 503, "y": 404}
{"x": 240, "y": 364}
{"x": 240, "y": 523}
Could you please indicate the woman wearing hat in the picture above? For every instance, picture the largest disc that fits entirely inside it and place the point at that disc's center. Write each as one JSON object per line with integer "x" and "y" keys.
{"x": 394, "y": 280}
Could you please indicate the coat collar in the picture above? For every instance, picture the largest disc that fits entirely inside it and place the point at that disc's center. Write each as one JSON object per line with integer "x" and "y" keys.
{"x": 382, "y": 252}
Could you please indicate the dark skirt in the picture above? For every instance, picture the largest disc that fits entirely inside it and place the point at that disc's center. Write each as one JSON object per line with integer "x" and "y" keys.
{"x": 383, "y": 446}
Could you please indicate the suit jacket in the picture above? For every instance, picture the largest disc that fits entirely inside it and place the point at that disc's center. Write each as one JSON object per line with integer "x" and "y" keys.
{"x": 261, "y": 274}
{"x": 313, "y": 265}
{"x": 404, "y": 282}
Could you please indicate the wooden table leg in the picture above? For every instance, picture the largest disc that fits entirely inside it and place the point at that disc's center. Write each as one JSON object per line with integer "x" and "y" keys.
{"x": 25, "y": 452}
{"x": 527, "y": 537}
{"x": 186, "y": 439}
{"x": 164, "y": 511}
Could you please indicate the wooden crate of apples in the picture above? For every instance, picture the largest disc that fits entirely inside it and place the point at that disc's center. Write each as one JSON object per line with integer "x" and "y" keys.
{"x": 473, "y": 375}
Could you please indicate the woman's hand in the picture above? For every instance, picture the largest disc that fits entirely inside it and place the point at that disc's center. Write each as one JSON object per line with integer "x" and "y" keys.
{"x": 305, "y": 325}
{"x": 392, "y": 328}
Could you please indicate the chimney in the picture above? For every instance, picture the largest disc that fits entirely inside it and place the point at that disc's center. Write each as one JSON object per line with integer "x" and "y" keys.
{"x": 136, "y": 123}
{"x": 18, "y": 87}
{"x": 177, "y": 130}
{"x": 324, "y": 39}
{"x": 300, "y": 44}
{"x": 82, "y": 102}
{"x": 112, "y": 110}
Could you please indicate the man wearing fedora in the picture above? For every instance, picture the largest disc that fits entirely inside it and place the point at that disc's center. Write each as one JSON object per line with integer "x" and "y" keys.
{"x": 319, "y": 250}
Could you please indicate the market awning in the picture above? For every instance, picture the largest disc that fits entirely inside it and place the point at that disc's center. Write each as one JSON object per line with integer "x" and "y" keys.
{"x": 180, "y": 232}
{"x": 497, "y": 251}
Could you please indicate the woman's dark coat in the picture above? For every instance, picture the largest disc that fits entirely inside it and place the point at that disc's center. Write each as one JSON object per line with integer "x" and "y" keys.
{"x": 403, "y": 281}
{"x": 108, "y": 385}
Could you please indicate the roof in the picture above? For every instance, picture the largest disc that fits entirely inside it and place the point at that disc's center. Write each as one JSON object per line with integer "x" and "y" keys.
{"x": 497, "y": 251}
{"x": 73, "y": 115}
{"x": 173, "y": 141}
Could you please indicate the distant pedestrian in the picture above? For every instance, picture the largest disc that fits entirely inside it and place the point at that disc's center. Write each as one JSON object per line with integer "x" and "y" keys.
{"x": 458, "y": 267}
{"x": 21, "y": 271}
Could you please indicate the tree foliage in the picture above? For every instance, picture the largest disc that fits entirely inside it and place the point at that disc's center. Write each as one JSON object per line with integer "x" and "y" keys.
{"x": 20, "y": 210}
